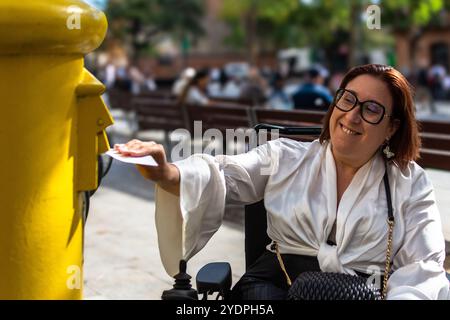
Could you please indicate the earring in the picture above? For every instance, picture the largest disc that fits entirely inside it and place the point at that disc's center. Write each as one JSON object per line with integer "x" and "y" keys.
{"x": 387, "y": 150}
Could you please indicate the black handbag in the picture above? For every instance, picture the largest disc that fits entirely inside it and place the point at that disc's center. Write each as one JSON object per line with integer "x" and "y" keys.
{"x": 340, "y": 286}
{"x": 332, "y": 286}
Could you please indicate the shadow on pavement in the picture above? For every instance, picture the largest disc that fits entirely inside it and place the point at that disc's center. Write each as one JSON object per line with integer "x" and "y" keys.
{"x": 125, "y": 177}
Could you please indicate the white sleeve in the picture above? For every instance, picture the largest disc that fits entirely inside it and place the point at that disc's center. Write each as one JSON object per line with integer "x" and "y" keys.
{"x": 419, "y": 272}
{"x": 185, "y": 224}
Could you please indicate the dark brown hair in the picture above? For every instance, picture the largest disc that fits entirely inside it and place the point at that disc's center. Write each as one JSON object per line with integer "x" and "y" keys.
{"x": 405, "y": 143}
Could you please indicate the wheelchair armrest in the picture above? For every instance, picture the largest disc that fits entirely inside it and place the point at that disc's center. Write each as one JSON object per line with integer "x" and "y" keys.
{"x": 214, "y": 277}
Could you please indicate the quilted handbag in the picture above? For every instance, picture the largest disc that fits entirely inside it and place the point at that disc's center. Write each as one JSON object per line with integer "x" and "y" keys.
{"x": 332, "y": 286}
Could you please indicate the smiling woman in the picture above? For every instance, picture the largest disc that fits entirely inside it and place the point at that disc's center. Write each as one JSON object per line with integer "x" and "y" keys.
{"x": 327, "y": 201}
{"x": 383, "y": 88}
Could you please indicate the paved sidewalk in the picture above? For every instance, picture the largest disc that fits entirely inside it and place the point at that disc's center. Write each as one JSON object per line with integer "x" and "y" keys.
{"x": 121, "y": 251}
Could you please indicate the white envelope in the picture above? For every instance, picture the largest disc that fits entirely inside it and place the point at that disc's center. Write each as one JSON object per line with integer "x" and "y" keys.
{"x": 145, "y": 160}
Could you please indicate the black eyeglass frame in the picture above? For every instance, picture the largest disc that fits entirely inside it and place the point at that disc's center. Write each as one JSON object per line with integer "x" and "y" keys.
{"x": 360, "y": 103}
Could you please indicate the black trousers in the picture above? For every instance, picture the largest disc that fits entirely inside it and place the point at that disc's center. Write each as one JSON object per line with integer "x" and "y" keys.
{"x": 265, "y": 280}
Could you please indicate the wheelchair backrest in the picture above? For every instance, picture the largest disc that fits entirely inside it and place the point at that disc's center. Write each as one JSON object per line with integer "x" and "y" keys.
{"x": 256, "y": 238}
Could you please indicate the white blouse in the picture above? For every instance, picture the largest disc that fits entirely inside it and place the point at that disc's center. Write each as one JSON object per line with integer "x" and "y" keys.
{"x": 298, "y": 183}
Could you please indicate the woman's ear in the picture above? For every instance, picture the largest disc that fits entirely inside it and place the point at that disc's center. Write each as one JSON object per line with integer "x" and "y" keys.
{"x": 393, "y": 127}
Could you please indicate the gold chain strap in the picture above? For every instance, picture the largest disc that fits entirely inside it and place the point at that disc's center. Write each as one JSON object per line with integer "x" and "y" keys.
{"x": 280, "y": 261}
{"x": 387, "y": 267}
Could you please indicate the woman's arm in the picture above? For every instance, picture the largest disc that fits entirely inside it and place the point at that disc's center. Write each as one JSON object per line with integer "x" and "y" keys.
{"x": 165, "y": 174}
{"x": 419, "y": 272}
{"x": 190, "y": 197}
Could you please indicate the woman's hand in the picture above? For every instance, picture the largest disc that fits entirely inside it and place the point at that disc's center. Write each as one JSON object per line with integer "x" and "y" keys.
{"x": 165, "y": 174}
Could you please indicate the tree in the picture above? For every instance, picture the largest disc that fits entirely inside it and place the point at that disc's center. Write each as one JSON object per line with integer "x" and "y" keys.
{"x": 139, "y": 21}
{"x": 317, "y": 23}
{"x": 283, "y": 23}
{"x": 250, "y": 19}
{"x": 412, "y": 17}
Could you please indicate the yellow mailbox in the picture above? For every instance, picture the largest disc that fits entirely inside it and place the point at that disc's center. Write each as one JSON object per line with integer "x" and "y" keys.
{"x": 52, "y": 129}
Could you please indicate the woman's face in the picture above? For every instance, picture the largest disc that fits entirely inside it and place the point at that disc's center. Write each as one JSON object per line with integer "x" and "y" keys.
{"x": 203, "y": 83}
{"x": 353, "y": 140}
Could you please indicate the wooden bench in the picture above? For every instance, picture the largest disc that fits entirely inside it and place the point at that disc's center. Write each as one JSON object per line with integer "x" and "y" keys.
{"x": 219, "y": 117}
{"x": 158, "y": 94}
{"x": 236, "y": 101}
{"x": 160, "y": 114}
{"x": 119, "y": 99}
{"x": 222, "y": 118}
{"x": 435, "y": 151}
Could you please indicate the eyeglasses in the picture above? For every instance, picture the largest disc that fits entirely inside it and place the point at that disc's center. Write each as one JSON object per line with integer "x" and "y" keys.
{"x": 371, "y": 111}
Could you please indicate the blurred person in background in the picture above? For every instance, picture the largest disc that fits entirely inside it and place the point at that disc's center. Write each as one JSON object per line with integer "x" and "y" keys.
{"x": 149, "y": 82}
{"x": 423, "y": 95}
{"x": 446, "y": 85}
{"x": 278, "y": 99}
{"x": 436, "y": 77}
{"x": 110, "y": 75}
{"x": 219, "y": 80}
{"x": 183, "y": 81}
{"x": 195, "y": 92}
{"x": 313, "y": 94}
{"x": 254, "y": 87}
{"x": 137, "y": 79}
{"x": 232, "y": 88}
{"x": 335, "y": 81}
{"x": 123, "y": 80}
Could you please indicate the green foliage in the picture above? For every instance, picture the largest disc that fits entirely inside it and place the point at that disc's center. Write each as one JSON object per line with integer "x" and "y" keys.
{"x": 141, "y": 20}
{"x": 285, "y": 23}
{"x": 404, "y": 15}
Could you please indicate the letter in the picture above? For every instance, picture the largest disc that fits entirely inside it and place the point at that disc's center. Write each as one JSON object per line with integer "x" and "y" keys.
{"x": 373, "y": 17}
{"x": 236, "y": 307}
{"x": 269, "y": 309}
{"x": 200, "y": 310}
{"x": 74, "y": 19}
{"x": 272, "y": 167}
{"x": 188, "y": 310}
{"x": 182, "y": 149}
{"x": 215, "y": 145}
{"x": 180, "y": 310}
{"x": 198, "y": 137}
{"x": 239, "y": 144}
{"x": 206, "y": 311}
{"x": 74, "y": 280}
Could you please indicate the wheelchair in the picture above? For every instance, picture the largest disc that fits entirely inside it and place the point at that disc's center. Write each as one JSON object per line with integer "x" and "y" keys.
{"x": 215, "y": 277}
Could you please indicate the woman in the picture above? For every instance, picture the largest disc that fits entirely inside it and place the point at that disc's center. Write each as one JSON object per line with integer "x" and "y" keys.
{"x": 326, "y": 200}
{"x": 195, "y": 91}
